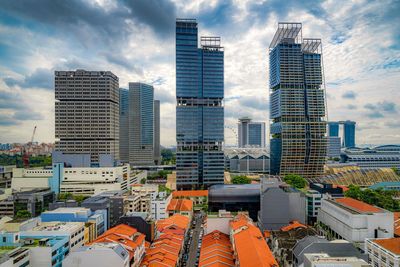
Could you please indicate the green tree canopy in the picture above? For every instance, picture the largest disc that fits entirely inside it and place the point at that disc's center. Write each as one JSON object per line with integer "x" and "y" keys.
{"x": 295, "y": 180}
{"x": 241, "y": 179}
{"x": 22, "y": 214}
{"x": 379, "y": 197}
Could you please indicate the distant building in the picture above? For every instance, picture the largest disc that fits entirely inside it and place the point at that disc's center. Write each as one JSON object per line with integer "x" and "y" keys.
{"x": 297, "y": 103}
{"x": 383, "y": 252}
{"x": 349, "y": 132}
{"x": 251, "y": 134}
{"x": 247, "y": 160}
{"x": 354, "y": 220}
{"x": 157, "y": 132}
{"x": 86, "y": 113}
{"x": 334, "y": 147}
{"x": 199, "y": 110}
{"x": 279, "y": 205}
{"x": 124, "y": 125}
{"x": 234, "y": 198}
{"x": 6, "y": 176}
{"x": 387, "y": 156}
{"x": 141, "y": 124}
{"x": 99, "y": 255}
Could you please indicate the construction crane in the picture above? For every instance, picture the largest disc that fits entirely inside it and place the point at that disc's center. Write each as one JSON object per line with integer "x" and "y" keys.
{"x": 25, "y": 157}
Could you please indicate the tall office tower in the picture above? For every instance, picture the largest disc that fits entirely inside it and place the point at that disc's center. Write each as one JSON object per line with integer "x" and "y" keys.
{"x": 157, "y": 149}
{"x": 199, "y": 111}
{"x": 349, "y": 134}
{"x": 141, "y": 125}
{"x": 251, "y": 134}
{"x": 333, "y": 128}
{"x": 87, "y": 113}
{"x": 297, "y": 103}
{"x": 123, "y": 125}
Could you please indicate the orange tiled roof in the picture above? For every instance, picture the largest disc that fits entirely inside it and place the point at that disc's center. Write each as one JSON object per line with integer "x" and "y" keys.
{"x": 396, "y": 223}
{"x": 293, "y": 225}
{"x": 125, "y": 235}
{"x": 159, "y": 257}
{"x": 175, "y": 220}
{"x": 391, "y": 244}
{"x": 344, "y": 188}
{"x": 180, "y": 205}
{"x": 239, "y": 221}
{"x": 251, "y": 248}
{"x": 357, "y": 205}
{"x": 216, "y": 250}
{"x": 190, "y": 193}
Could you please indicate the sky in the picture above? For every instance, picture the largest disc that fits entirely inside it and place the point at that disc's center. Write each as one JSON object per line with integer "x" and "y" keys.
{"x": 135, "y": 39}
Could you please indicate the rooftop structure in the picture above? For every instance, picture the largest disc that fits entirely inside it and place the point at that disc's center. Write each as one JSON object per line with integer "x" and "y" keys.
{"x": 383, "y": 252}
{"x": 372, "y": 158}
{"x": 180, "y": 205}
{"x": 190, "y": 193}
{"x": 247, "y": 160}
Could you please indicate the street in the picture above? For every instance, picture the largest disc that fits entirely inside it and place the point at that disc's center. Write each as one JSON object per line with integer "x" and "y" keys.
{"x": 193, "y": 248}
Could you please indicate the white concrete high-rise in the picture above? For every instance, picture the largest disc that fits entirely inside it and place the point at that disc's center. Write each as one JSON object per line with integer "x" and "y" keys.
{"x": 87, "y": 113}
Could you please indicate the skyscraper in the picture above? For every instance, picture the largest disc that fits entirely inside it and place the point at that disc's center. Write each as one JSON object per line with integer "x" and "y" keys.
{"x": 87, "y": 113}
{"x": 199, "y": 111}
{"x": 141, "y": 124}
{"x": 349, "y": 134}
{"x": 251, "y": 134}
{"x": 123, "y": 125}
{"x": 157, "y": 149}
{"x": 297, "y": 108}
{"x": 333, "y": 128}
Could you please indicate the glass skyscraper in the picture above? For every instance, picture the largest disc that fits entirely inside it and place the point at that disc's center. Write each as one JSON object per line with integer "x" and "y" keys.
{"x": 349, "y": 134}
{"x": 297, "y": 103}
{"x": 199, "y": 110}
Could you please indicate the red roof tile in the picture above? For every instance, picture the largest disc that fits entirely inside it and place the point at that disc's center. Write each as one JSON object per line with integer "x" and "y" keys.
{"x": 180, "y": 205}
{"x": 190, "y": 193}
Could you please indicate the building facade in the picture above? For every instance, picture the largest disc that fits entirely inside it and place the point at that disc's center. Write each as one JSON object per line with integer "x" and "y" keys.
{"x": 383, "y": 252}
{"x": 199, "y": 111}
{"x": 141, "y": 125}
{"x": 387, "y": 156}
{"x": 251, "y": 134}
{"x": 297, "y": 103}
{"x": 87, "y": 113}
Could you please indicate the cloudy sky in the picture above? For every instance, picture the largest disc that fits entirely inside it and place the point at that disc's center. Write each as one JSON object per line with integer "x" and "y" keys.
{"x": 135, "y": 40}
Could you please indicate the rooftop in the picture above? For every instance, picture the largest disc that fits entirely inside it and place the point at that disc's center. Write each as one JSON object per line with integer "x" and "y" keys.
{"x": 180, "y": 205}
{"x": 293, "y": 225}
{"x": 357, "y": 206}
{"x": 175, "y": 220}
{"x": 58, "y": 226}
{"x": 190, "y": 193}
{"x": 390, "y": 244}
{"x": 251, "y": 247}
{"x": 216, "y": 250}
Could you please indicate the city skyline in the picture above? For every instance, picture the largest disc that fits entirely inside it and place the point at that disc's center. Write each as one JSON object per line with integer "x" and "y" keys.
{"x": 360, "y": 51}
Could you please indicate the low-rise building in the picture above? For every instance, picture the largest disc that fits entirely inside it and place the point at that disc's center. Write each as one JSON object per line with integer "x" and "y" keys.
{"x": 383, "y": 252}
{"x": 159, "y": 205}
{"x": 33, "y": 201}
{"x": 315, "y": 251}
{"x": 180, "y": 206}
{"x": 79, "y": 214}
{"x": 99, "y": 255}
{"x": 167, "y": 248}
{"x": 199, "y": 197}
{"x": 280, "y": 204}
{"x": 129, "y": 238}
{"x": 141, "y": 221}
{"x": 15, "y": 257}
{"x": 353, "y": 220}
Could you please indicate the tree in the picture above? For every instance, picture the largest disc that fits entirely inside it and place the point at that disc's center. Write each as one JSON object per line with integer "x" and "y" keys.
{"x": 295, "y": 180}
{"x": 23, "y": 214}
{"x": 396, "y": 171}
{"x": 168, "y": 157}
{"x": 241, "y": 179}
{"x": 143, "y": 180}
